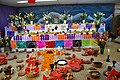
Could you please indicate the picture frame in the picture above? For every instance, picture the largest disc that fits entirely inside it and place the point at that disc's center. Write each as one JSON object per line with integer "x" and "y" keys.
{"x": 55, "y": 20}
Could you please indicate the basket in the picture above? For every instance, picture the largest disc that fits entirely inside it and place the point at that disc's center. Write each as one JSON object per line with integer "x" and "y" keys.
{"x": 94, "y": 74}
{"x": 98, "y": 64}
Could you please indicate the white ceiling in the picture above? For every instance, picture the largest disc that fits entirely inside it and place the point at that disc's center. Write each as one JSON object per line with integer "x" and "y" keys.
{"x": 15, "y": 4}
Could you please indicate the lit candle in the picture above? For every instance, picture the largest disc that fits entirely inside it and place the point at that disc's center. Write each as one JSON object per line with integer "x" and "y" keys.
{"x": 108, "y": 51}
{"x": 46, "y": 71}
{"x": 59, "y": 48}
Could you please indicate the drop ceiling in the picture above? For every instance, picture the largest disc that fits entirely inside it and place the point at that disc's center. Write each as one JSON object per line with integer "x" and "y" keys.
{"x": 57, "y": 2}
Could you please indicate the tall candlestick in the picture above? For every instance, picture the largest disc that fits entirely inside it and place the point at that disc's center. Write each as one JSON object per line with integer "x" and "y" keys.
{"x": 108, "y": 51}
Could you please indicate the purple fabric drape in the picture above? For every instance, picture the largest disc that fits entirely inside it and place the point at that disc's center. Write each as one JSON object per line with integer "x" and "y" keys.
{"x": 5, "y": 11}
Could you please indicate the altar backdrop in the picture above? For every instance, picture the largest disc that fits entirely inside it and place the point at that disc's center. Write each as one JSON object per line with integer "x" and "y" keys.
{"x": 74, "y": 10}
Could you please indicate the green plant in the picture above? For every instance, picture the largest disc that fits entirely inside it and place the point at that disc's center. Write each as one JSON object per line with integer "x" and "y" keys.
{"x": 46, "y": 16}
{"x": 17, "y": 20}
{"x": 98, "y": 16}
{"x": 2, "y": 42}
{"x": 101, "y": 41}
{"x": 66, "y": 15}
{"x": 30, "y": 16}
{"x": 84, "y": 16}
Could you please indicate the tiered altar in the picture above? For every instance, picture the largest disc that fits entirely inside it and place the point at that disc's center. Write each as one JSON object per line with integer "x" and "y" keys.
{"x": 54, "y": 36}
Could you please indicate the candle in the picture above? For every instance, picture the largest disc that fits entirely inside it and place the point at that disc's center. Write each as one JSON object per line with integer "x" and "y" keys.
{"x": 46, "y": 71}
{"x": 59, "y": 48}
{"x": 108, "y": 51}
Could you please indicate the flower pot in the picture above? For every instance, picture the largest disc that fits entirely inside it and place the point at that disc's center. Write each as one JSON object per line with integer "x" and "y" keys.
{"x": 31, "y": 22}
{"x": 65, "y": 21}
{"x": 83, "y": 21}
{"x": 46, "y": 22}
{"x": 102, "y": 50}
{"x": 2, "y": 49}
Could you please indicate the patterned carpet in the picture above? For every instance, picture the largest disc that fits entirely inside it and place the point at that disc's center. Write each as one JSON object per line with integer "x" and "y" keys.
{"x": 82, "y": 75}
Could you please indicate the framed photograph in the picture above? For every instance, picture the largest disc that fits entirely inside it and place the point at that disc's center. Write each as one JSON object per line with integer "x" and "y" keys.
{"x": 55, "y": 20}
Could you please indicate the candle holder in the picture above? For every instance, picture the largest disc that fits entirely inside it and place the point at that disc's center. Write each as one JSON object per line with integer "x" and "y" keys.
{"x": 108, "y": 58}
{"x": 55, "y": 65}
{"x": 52, "y": 66}
{"x": 114, "y": 62}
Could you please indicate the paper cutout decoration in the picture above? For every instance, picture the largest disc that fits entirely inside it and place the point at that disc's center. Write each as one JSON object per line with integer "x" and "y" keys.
{"x": 61, "y": 37}
{"x": 31, "y": 44}
{"x": 10, "y": 33}
{"x": 21, "y": 44}
{"x": 85, "y": 42}
{"x": 13, "y": 44}
{"x": 40, "y": 44}
{"x": 93, "y": 43}
{"x": 75, "y": 26}
{"x": 68, "y": 43}
{"x": 50, "y": 44}
{"x": 76, "y": 43}
{"x": 59, "y": 43}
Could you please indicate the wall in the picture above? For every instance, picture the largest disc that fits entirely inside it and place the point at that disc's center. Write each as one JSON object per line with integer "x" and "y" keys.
{"x": 5, "y": 11}
{"x": 116, "y": 18}
{"x": 108, "y": 9}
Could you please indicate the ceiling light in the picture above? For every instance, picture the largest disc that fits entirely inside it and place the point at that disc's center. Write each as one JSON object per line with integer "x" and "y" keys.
{"x": 26, "y": 1}
{"x": 22, "y": 2}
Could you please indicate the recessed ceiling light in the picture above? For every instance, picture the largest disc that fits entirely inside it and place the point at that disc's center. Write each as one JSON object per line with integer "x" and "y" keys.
{"x": 36, "y": 1}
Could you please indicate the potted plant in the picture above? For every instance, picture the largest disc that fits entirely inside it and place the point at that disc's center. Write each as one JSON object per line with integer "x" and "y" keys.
{"x": 101, "y": 43}
{"x": 31, "y": 17}
{"x": 65, "y": 16}
{"x": 2, "y": 44}
{"x": 17, "y": 21}
{"x": 98, "y": 16}
{"x": 46, "y": 17}
{"x": 83, "y": 16}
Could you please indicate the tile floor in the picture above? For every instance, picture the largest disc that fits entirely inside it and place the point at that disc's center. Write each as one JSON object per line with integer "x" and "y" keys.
{"x": 82, "y": 75}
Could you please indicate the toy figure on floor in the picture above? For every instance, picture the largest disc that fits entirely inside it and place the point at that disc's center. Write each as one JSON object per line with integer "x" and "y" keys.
{"x": 3, "y": 59}
{"x": 90, "y": 51}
